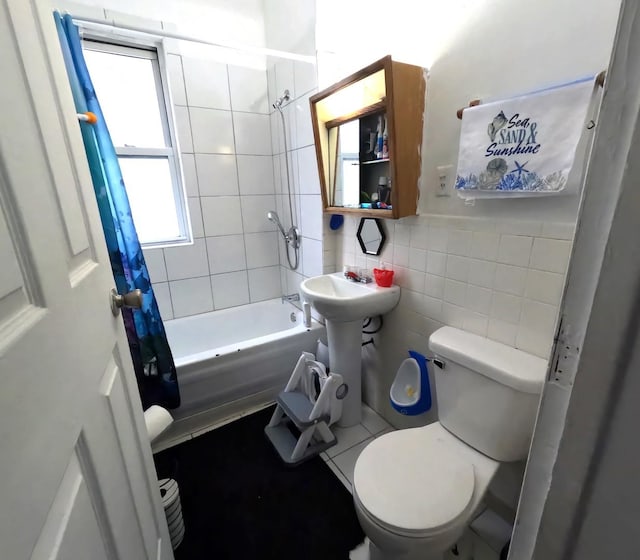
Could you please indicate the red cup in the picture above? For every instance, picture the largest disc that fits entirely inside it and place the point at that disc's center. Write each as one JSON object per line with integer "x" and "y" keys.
{"x": 384, "y": 278}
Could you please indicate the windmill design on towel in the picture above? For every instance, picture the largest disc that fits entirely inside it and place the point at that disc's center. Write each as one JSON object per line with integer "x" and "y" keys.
{"x": 523, "y": 146}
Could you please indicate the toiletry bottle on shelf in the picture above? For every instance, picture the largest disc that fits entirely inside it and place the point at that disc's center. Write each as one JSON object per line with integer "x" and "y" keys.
{"x": 385, "y": 141}
{"x": 384, "y": 190}
{"x": 379, "y": 139}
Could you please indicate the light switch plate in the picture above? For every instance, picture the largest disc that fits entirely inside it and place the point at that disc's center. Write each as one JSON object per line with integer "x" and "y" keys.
{"x": 445, "y": 180}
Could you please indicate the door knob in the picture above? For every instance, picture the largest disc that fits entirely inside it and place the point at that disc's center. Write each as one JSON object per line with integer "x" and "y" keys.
{"x": 130, "y": 299}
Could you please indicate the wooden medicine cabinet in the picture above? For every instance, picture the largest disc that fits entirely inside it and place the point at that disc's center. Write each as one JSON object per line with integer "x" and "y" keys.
{"x": 368, "y": 136}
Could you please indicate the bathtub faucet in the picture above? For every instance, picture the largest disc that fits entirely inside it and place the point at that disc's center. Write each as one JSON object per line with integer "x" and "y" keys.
{"x": 291, "y": 297}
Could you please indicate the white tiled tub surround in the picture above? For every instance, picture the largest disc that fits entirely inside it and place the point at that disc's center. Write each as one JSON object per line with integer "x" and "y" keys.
{"x": 499, "y": 279}
{"x": 224, "y": 133}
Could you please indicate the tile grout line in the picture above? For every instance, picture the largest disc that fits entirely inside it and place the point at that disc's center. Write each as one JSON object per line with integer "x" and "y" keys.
{"x": 235, "y": 149}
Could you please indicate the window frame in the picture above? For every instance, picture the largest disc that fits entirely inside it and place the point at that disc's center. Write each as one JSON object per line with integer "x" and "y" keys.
{"x": 154, "y": 50}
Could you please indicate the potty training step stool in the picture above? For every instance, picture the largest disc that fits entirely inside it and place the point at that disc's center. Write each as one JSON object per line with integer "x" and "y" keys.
{"x": 310, "y": 403}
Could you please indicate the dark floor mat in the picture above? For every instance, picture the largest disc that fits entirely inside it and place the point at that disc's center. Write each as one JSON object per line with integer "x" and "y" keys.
{"x": 240, "y": 502}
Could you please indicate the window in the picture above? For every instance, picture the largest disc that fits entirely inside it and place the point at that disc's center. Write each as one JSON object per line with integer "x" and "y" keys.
{"x": 129, "y": 86}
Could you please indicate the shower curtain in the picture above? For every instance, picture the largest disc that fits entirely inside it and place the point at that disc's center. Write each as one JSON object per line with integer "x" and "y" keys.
{"x": 152, "y": 359}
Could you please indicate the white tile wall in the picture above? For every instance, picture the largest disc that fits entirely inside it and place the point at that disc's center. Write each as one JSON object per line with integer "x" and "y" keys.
{"x": 284, "y": 78}
{"x": 154, "y": 259}
{"x": 305, "y": 77}
{"x": 544, "y": 286}
{"x": 254, "y": 212}
{"x": 207, "y": 83}
{"x": 187, "y": 261}
{"x": 264, "y": 283}
{"x": 212, "y": 131}
{"x": 401, "y": 255}
{"x": 437, "y": 262}
{"x": 506, "y": 307}
{"x": 248, "y": 90}
{"x": 230, "y": 289}
{"x": 195, "y": 212}
{"x": 457, "y": 268}
{"x": 190, "y": 175}
{"x": 419, "y": 237}
{"x": 484, "y": 245}
{"x": 163, "y": 297}
{"x": 459, "y": 242}
{"x": 262, "y": 249}
{"x": 481, "y": 273}
{"x": 255, "y": 174}
{"x": 510, "y": 279}
{"x": 478, "y": 299}
{"x": 311, "y": 215}
{"x": 498, "y": 279}
{"x": 536, "y": 327}
{"x": 311, "y": 257}
{"x": 253, "y": 133}
{"x": 455, "y": 292}
{"x": 226, "y": 253}
{"x": 191, "y": 296}
{"x": 217, "y": 174}
{"x": 229, "y": 191}
{"x": 551, "y": 255}
{"x": 417, "y": 259}
{"x": 183, "y": 126}
{"x": 437, "y": 238}
{"x": 221, "y": 215}
{"x": 514, "y": 249}
{"x": 308, "y": 178}
{"x": 304, "y": 129}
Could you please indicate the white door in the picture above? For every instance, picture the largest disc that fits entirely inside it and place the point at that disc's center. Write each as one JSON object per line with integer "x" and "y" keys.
{"x": 76, "y": 472}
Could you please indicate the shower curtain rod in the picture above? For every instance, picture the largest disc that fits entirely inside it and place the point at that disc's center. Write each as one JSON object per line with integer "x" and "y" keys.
{"x": 182, "y": 37}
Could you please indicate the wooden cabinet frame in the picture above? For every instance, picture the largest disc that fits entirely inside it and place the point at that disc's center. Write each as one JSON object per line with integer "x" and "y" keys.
{"x": 403, "y": 102}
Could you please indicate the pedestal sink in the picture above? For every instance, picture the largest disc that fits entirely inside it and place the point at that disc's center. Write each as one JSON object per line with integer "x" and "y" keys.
{"x": 344, "y": 304}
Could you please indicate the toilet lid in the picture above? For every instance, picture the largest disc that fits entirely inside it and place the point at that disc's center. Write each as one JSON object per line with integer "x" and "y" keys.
{"x": 411, "y": 483}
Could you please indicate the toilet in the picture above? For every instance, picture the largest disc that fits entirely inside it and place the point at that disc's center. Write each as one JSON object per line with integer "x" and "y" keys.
{"x": 416, "y": 490}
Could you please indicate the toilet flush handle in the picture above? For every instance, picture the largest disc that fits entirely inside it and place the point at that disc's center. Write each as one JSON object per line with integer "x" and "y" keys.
{"x": 438, "y": 362}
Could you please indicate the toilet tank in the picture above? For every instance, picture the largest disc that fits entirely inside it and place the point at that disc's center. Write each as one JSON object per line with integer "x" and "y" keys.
{"x": 487, "y": 392}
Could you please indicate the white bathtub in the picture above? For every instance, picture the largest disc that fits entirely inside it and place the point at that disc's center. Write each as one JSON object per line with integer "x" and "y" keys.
{"x": 229, "y": 358}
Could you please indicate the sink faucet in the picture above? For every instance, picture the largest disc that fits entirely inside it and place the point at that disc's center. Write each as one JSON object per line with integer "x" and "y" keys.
{"x": 350, "y": 275}
{"x": 290, "y": 297}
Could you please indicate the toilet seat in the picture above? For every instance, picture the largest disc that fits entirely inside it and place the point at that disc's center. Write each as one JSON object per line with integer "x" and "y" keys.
{"x": 412, "y": 483}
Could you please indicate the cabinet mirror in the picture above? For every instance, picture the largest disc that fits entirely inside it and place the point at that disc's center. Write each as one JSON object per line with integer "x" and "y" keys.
{"x": 344, "y": 163}
{"x": 359, "y": 163}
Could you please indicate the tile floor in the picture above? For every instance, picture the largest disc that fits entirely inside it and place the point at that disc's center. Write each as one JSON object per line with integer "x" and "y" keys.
{"x": 341, "y": 458}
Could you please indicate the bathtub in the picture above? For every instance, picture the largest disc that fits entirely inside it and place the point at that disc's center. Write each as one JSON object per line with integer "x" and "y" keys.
{"x": 234, "y": 358}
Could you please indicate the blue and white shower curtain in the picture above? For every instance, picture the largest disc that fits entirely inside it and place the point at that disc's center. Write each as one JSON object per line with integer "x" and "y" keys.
{"x": 150, "y": 351}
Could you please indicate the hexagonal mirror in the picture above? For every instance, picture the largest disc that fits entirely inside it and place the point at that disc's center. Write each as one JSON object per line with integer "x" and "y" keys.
{"x": 371, "y": 235}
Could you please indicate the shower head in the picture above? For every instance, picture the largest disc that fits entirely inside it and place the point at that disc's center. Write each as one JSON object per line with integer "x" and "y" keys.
{"x": 272, "y": 216}
{"x": 278, "y": 103}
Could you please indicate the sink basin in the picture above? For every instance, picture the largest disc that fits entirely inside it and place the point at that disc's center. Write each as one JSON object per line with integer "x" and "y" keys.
{"x": 339, "y": 299}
